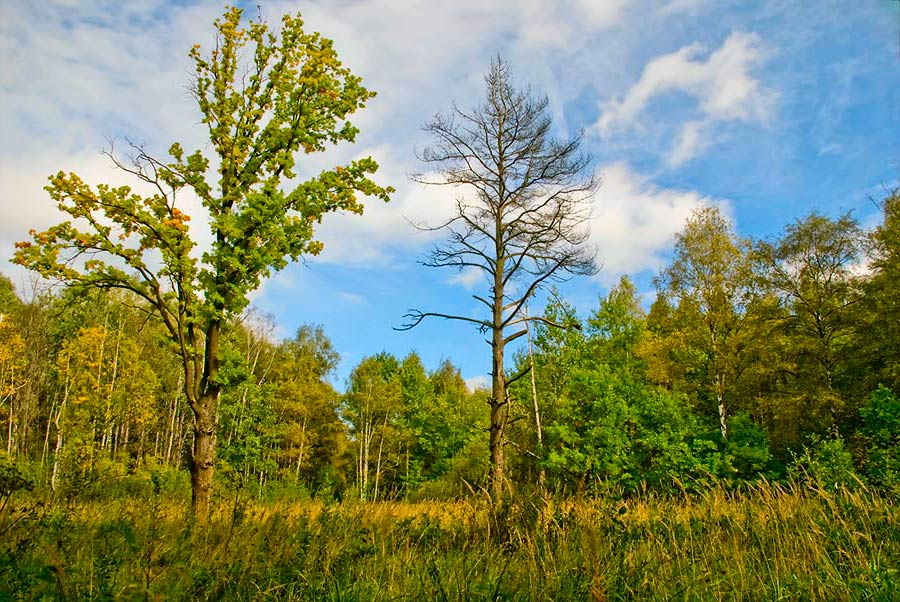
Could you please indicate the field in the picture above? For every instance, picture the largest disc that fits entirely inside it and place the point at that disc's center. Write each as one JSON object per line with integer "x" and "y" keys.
{"x": 765, "y": 543}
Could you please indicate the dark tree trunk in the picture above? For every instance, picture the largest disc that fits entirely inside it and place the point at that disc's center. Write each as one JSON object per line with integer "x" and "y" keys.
{"x": 498, "y": 420}
{"x": 203, "y": 463}
{"x": 203, "y": 458}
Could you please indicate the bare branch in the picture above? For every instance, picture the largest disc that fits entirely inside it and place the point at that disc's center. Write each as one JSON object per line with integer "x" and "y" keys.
{"x": 415, "y": 317}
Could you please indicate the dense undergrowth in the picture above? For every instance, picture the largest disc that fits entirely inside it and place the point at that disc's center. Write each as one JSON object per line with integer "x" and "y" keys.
{"x": 763, "y": 542}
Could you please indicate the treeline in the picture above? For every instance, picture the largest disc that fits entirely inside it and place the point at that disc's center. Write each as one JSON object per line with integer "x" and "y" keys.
{"x": 758, "y": 359}
{"x": 92, "y": 393}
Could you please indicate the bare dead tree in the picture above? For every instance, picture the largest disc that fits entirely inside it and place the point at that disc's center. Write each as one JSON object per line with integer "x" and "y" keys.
{"x": 522, "y": 222}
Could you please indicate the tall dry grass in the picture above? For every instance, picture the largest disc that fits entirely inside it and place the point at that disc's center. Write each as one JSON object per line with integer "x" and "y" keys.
{"x": 767, "y": 542}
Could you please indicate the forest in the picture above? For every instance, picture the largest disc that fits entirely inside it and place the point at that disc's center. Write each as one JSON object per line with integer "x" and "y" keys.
{"x": 735, "y": 436}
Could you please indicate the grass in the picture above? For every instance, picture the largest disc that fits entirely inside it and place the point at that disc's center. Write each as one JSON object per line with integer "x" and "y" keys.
{"x": 765, "y": 543}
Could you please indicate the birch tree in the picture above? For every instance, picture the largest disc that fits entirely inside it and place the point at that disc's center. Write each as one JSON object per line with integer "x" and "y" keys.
{"x": 710, "y": 278}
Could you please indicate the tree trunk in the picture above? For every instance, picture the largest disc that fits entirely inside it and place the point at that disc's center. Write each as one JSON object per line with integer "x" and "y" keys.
{"x": 720, "y": 399}
{"x": 378, "y": 464}
{"x": 498, "y": 400}
{"x": 203, "y": 458}
{"x": 54, "y": 474}
{"x": 46, "y": 451}
{"x": 722, "y": 425}
{"x": 202, "y": 464}
{"x": 542, "y": 474}
{"x": 498, "y": 418}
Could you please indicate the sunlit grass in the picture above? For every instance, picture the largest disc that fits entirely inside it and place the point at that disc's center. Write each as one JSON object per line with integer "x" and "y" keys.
{"x": 764, "y": 543}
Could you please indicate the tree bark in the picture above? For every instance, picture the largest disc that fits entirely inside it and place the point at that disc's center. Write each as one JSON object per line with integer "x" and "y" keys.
{"x": 498, "y": 410}
{"x": 203, "y": 465}
{"x": 203, "y": 458}
{"x": 542, "y": 474}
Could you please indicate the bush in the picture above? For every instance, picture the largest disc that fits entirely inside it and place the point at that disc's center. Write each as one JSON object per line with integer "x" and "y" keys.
{"x": 880, "y": 433}
{"x": 826, "y": 464}
{"x": 747, "y": 448}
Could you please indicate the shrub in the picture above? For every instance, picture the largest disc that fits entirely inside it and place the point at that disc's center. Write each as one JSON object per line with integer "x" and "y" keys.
{"x": 880, "y": 433}
{"x": 824, "y": 463}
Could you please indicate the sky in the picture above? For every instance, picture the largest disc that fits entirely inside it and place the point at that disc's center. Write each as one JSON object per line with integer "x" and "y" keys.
{"x": 767, "y": 109}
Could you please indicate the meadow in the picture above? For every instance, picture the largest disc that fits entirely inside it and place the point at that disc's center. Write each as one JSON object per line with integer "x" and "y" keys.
{"x": 762, "y": 542}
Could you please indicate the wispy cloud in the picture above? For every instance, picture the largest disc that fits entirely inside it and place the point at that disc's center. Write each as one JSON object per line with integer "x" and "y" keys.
{"x": 722, "y": 86}
{"x": 468, "y": 278}
{"x": 353, "y": 298}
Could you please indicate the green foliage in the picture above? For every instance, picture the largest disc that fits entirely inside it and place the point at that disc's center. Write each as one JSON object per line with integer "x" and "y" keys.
{"x": 9, "y": 301}
{"x": 614, "y": 434}
{"x": 876, "y": 351}
{"x": 825, "y": 463}
{"x": 810, "y": 271}
{"x": 880, "y": 439}
{"x": 747, "y": 448}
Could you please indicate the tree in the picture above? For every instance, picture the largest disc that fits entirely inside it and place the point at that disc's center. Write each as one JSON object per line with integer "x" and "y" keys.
{"x": 372, "y": 406}
{"x": 710, "y": 278}
{"x": 521, "y": 225}
{"x": 12, "y": 370}
{"x": 311, "y": 432}
{"x": 810, "y": 270}
{"x": 106, "y": 386}
{"x": 881, "y": 334}
{"x": 291, "y": 94}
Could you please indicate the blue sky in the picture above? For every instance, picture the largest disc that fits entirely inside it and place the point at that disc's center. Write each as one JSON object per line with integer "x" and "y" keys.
{"x": 769, "y": 109}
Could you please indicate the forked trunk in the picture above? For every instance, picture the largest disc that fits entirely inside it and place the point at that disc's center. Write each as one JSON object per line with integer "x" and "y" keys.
{"x": 203, "y": 458}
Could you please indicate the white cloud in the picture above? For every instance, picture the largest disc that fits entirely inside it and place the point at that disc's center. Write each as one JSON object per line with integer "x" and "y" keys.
{"x": 469, "y": 278}
{"x": 635, "y": 221}
{"x": 690, "y": 142}
{"x": 79, "y": 72}
{"x": 830, "y": 149}
{"x": 607, "y": 13}
{"x": 352, "y": 298}
{"x": 675, "y": 7}
{"x": 722, "y": 86}
{"x": 475, "y": 383}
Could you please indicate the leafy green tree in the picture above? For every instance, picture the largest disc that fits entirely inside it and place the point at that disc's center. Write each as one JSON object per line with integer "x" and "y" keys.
{"x": 549, "y": 362}
{"x": 445, "y": 423}
{"x": 825, "y": 463}
{"x": 9, "y": 301}
{"x": 27, "y": 366}
{"x": 710, "y": 279}
{"x": 12, "y": 378}
{"x": 247, "y": 419}
{"x": 810, "y": 270}
{"x": 311, "y": 435}
{"x": 878, "y": 343}
{"x": 617, "y": 328}
{"x": 747, "y": 449}
{"x": 264, "y": 96}
{"x": 106, "y": 387}
{"x": 372, "y": 406}
{"x": 880, "y": 439}
{"x": 612, "y": 429}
